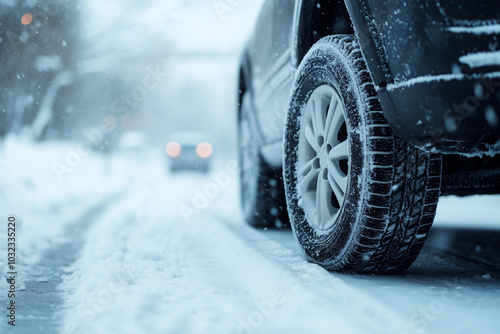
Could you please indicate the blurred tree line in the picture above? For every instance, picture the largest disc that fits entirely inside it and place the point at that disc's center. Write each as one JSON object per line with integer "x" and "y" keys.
{"x": 43, "y": 94}
{"x": 38, "y": 57}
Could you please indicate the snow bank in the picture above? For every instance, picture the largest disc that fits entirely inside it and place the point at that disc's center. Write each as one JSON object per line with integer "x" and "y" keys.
{"x": 476, "y": 212}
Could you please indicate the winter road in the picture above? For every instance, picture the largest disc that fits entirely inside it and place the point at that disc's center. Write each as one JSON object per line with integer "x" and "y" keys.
{"x": 136, "y": 263}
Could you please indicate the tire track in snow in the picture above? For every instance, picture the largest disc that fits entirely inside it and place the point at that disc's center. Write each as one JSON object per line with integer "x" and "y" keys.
{"x": 41, "y": 300}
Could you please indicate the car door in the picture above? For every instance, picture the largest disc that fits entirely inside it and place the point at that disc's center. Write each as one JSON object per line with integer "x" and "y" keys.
{"x": 272, "y": 69}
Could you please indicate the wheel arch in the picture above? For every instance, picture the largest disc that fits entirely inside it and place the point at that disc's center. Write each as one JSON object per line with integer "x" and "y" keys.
{"x": 317, "y": 19}
{"x": 244, "y": 79}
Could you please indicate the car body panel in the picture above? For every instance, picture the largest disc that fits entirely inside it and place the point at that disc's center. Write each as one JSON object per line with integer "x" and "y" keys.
{"x": 418, "y": 54}
{"x": 414, "y": 50}
{"x": 272, "y": 67}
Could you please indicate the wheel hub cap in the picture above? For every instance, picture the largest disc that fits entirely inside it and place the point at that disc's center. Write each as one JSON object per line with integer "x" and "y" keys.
{"x": 323, "y": 157}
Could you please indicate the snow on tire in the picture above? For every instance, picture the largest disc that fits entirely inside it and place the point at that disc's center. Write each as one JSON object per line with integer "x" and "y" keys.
{"x": 359, "y": 198}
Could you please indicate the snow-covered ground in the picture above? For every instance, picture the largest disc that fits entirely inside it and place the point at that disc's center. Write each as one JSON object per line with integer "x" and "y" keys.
{"x": 169, "y": 253}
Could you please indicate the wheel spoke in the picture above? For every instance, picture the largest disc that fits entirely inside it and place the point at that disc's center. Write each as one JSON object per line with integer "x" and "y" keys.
{"x": 340, "y": 151}
{"x": 335, "y": 122}
{"x": 338, "y": 176}
{"x": 311, "y": 138}
{"x": 323, "y": 205}
{"x": 309, "y": 180}
{"x": 332, "y": 109}
{"x": 336, "y": 188}
{"x": 307, "y": 168}
{"x": 318, "y": 117}
{"x": 312, "y": 113}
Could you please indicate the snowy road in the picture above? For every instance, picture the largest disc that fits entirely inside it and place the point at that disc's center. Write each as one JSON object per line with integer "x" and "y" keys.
{"x": 120, "y": 246}
{"x": 131, "y": 261}
{"x": 40, "y": 299}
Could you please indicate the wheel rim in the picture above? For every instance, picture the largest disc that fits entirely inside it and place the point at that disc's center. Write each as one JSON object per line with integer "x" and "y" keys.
{"x": 323, "y": 157}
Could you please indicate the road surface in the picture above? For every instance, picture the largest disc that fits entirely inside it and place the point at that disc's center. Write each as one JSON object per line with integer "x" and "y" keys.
{"x": 152, "y": 252}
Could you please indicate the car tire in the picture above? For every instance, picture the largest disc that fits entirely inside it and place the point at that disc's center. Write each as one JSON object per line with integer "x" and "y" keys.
{"x": 359, "y": 198}
{"x": 262, "y": 193}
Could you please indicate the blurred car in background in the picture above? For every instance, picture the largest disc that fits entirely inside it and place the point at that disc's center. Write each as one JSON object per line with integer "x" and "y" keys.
{"x": 189, "y": 151}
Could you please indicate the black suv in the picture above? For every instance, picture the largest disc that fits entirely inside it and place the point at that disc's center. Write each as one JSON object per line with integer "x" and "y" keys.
{"x": 355, "y": 116}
